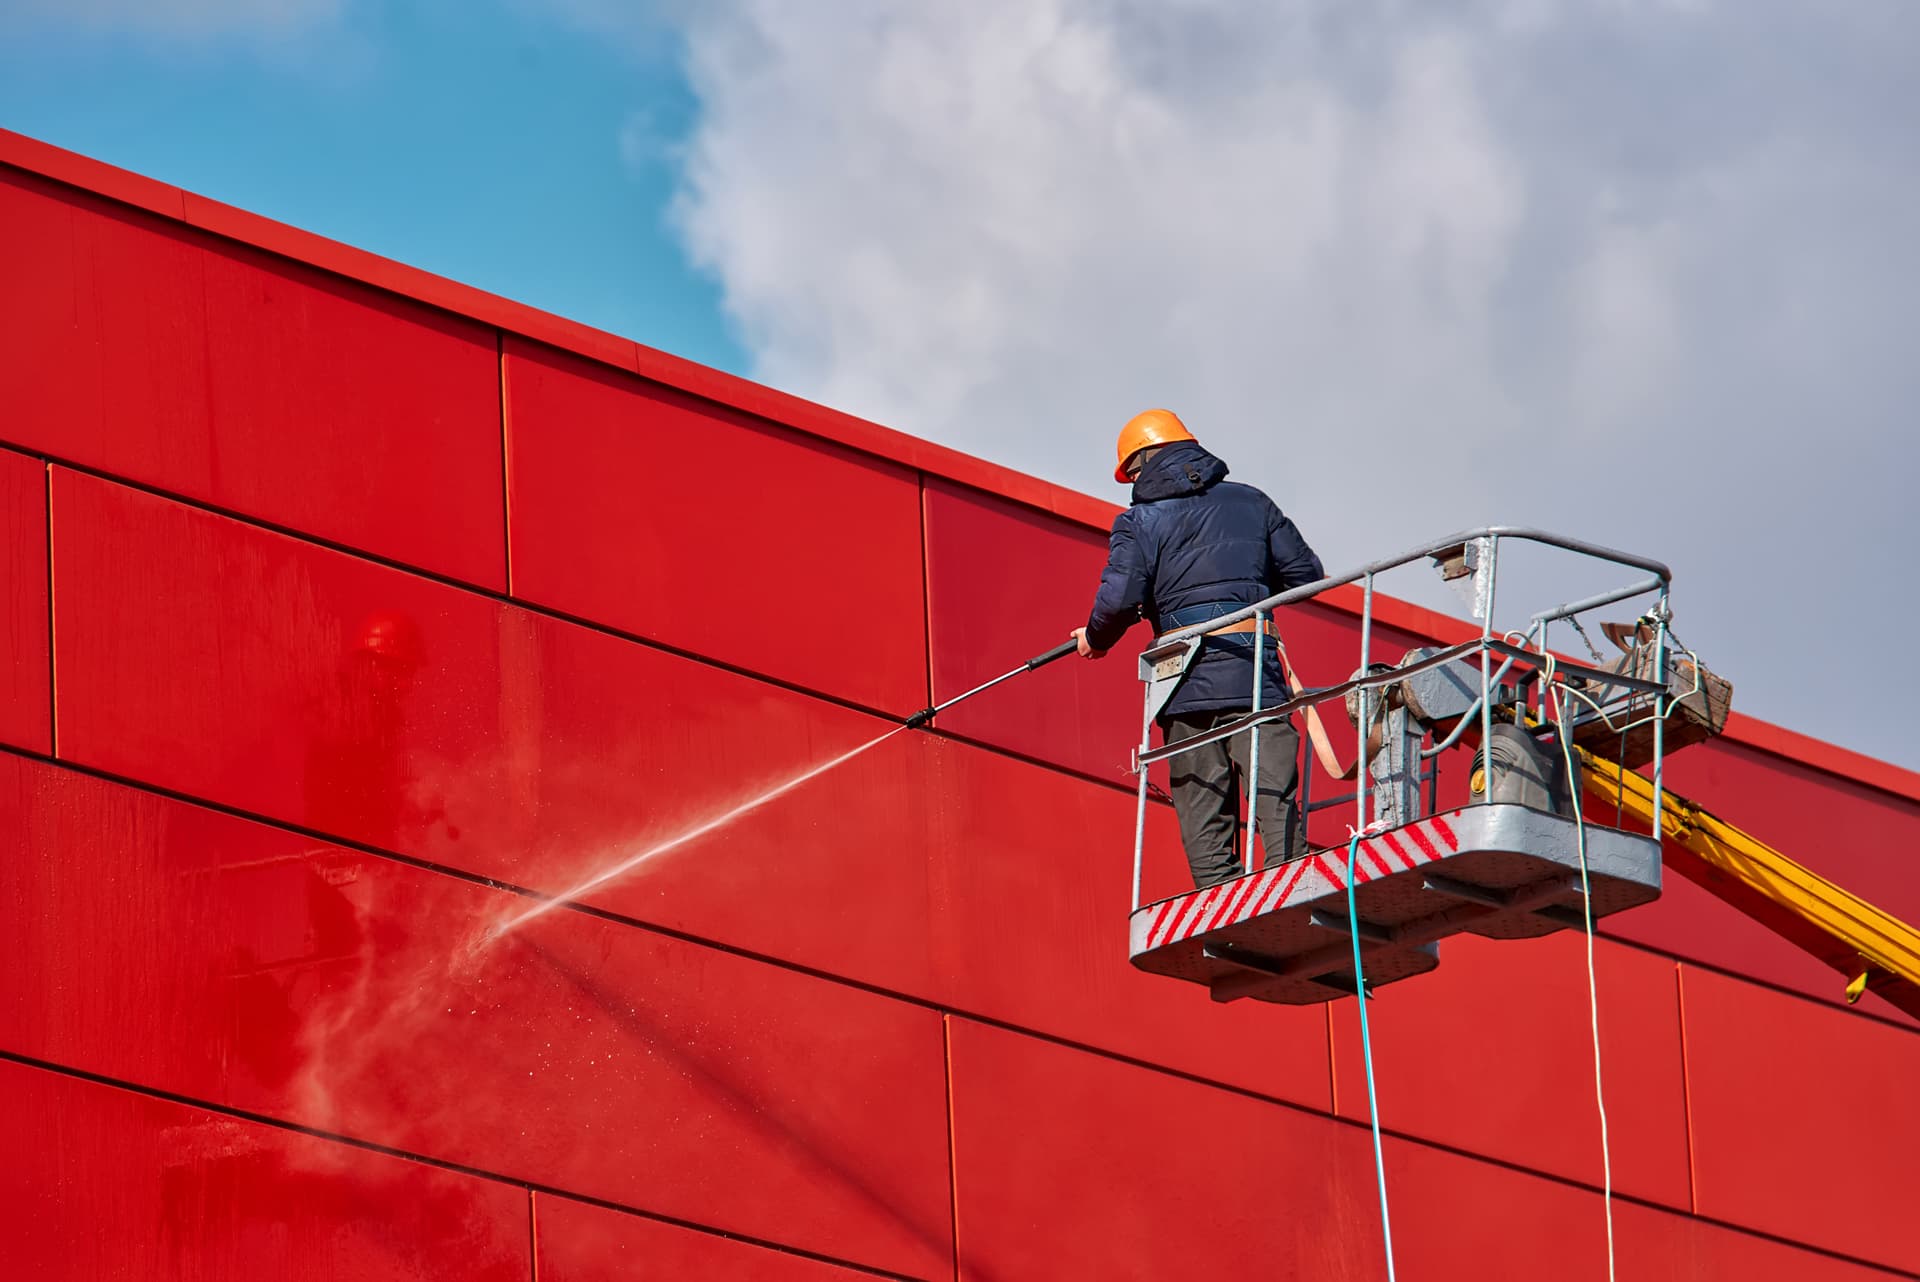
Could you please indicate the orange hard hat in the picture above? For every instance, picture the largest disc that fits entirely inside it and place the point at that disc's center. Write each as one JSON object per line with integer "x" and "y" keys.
{"x": 1153, "y": 427}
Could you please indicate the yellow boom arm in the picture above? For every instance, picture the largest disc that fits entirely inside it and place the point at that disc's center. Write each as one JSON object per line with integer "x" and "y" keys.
{"x": 1877, "y": 951}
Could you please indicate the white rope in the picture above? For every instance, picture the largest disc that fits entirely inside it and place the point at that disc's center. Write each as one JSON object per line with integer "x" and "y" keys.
{"x": 1586, "y": 907}
{"x": 1586, "y": 889}
{"x": 1366, "y": 1045}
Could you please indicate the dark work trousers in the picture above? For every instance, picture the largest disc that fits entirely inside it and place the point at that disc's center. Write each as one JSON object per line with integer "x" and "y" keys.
{"x": 1209, "y": 797}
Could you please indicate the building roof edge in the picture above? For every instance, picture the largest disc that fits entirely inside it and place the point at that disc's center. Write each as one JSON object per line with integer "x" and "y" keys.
{"x": 47, "y": 161}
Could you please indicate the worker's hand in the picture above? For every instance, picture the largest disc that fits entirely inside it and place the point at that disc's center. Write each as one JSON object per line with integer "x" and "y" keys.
{"x": 1086, "y": 650}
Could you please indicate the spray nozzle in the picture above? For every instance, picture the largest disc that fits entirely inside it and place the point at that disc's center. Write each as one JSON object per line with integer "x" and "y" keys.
{"x": 925, "y": 716}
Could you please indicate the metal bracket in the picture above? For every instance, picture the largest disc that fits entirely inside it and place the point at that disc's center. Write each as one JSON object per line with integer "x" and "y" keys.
{"x": 1536, "y": 898}
{"x": 1338, "y": 983}
{"x": 1247, "y": 961}
{"x": 1162, "y": 667}
{"x": 1521, "y": 897}
{"x": 1561, "y": 915}
{"x": 1367, "y": 930}
{"x": 1258, "y": 971}
{"x": 1471, "y": 894}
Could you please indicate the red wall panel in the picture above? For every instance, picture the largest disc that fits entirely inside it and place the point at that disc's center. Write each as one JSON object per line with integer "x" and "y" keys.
{"x": 1858, "y": 836}
{"x": 1691, "y": 923}
{"x": 1493, "y": 1053}
{"x": 306, "y": 685}
{"x": 1805, "y": 1119}
{"x": 103, "y": 1183}
{"x": 578, "y": 1242}
{"x": 1005, "y": 582}
{"x": 200, "y": 953}
{"x": 1029, "y": 891}
{"x": 234, "y": 664}
{"x": 1840, "y": 829}
{"x": 1071, "y": 1166}
{"x": 638, "y": 506}
{"x": 1458, "y": 1218}
{"x": 244, "y": 965}
{"x": 1654, "y": 1246}
{"x": 214, "y": 371}
{"x": 26, "y": 710}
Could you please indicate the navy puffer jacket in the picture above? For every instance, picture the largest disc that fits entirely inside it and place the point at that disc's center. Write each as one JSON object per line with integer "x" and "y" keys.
{"x": 1195, "y": 546}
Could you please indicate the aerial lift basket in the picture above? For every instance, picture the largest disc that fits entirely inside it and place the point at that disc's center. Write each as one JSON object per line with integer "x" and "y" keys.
{"x": 1508, "y": 866}
{"x": 1499, "y": 870}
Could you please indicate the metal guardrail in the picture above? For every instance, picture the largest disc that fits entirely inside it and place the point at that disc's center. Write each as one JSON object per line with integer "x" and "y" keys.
{"x": 1486, "y": 540}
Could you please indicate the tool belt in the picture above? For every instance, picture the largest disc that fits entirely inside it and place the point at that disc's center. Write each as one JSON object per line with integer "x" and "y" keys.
{"x": 1245, "y": 625}
{"x": 1316, "y": 730}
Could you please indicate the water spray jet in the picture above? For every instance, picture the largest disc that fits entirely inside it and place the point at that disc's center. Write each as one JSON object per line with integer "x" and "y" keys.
{"x": 917, "y": 721}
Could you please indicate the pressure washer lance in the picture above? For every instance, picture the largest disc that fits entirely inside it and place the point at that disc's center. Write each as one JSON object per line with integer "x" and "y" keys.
{"x": 926, "y": 715}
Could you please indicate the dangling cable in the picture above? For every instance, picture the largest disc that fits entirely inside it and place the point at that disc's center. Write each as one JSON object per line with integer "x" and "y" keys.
{"x": 1366, "y": 1052}
{"x": 1586, "y": 906}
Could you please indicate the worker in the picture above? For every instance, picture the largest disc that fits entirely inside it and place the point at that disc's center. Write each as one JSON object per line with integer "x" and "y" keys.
{"x": 1192, "y": 547}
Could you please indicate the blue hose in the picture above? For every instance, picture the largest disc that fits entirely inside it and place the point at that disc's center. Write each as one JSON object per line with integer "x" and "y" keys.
{"x": 1366, "y": 1049}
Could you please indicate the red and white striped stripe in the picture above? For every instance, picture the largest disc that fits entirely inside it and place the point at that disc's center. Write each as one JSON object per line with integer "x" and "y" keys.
{"x": 1308, "y": 878}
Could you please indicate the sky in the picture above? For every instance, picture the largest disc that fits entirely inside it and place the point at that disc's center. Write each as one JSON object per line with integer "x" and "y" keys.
{"x": 1640, "y": 271}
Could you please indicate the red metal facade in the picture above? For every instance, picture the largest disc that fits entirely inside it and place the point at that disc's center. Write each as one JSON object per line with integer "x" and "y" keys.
{"x": 344, "y": 612}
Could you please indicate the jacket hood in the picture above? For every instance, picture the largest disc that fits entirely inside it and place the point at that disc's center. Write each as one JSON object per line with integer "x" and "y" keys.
{"x": 1177, "y": 470}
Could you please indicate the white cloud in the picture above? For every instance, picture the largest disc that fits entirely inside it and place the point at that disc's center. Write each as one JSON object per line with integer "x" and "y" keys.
{"x": 1640, "y": 271}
